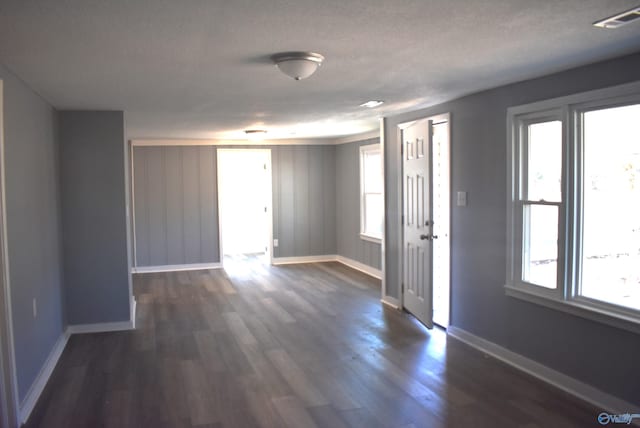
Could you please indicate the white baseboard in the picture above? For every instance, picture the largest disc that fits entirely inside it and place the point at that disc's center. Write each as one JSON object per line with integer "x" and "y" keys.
{"x": 304, "y": 259}
{"x": 354, "y": 264}
{"x": 392, "y": 302}
{"x": 132, "y": 315}
{"x": 100, "y": 327}
{"x": 376, "y": 273}
{"x": 588, "y": 393}
{"x": 173, "y": 268}
{"x": 34, "y": 392}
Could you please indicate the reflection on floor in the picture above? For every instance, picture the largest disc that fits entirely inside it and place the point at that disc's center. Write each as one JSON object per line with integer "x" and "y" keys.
{"x": 291, "y": 346}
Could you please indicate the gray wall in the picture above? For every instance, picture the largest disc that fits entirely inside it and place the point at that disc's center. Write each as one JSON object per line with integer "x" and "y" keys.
{"x": 176, "y": 205}
{"x": 92, "y": 177}
{"x": 602, "y": 356}
{"x": 175, "y": 190}
{"x": 32, "y": 205}
{"x": 348, "y": 206}
{"x": 304, "y": 200}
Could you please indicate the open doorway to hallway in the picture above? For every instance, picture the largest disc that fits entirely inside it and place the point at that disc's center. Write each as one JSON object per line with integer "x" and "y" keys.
{"x": 244, "y": 199}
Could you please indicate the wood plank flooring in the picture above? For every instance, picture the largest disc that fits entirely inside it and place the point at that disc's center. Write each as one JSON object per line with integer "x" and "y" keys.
{"x": 290, "y": 346}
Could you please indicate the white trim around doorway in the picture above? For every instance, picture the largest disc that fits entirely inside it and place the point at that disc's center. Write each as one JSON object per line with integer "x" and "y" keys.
{"x": 9, "y": 387}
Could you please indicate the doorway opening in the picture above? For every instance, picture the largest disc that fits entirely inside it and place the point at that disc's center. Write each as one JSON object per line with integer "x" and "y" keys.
{"x": 244, "y": 201}
{"x": 426, "y": 219}
{"x": 441, "y": 221}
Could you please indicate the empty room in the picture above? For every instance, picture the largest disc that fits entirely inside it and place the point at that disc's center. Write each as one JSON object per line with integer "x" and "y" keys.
{"x": 319, "y": 214}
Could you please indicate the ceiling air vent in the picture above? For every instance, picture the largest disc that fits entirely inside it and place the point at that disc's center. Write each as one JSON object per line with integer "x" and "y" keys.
{"x": 620, "y": 19}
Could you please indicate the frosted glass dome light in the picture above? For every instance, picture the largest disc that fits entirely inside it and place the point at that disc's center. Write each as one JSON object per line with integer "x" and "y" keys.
{"x": 298, "y": 65}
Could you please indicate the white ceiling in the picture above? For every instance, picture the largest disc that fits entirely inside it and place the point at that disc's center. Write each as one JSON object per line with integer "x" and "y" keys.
{"x": 200, "y": 69}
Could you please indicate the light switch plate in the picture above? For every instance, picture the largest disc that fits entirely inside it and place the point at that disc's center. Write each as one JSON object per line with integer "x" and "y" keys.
{"x": 462, "y": 199}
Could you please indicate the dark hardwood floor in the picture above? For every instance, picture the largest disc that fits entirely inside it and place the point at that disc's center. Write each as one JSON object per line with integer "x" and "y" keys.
{"x": 291, "y": 346}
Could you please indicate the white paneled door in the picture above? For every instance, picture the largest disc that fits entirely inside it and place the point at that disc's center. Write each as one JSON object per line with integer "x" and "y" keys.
{"x": 418, "y": 219}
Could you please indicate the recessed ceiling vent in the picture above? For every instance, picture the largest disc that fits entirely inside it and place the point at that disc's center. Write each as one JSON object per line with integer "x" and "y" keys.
{"x": 620, "y": 19}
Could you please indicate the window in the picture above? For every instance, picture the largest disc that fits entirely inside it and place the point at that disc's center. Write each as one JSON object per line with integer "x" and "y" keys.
{"x": 573, "y": 216}
{"x": 371, "y": 200}
{"x": 540, "y": 199}
{"x": 610, "y": 267}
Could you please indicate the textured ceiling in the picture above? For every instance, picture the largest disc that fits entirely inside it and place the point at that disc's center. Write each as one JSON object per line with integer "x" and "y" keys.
{"x": 198, "y": 68}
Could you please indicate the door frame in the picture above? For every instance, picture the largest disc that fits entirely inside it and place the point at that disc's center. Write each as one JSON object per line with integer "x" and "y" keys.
{"x": 8, "y": 380}
{"x": 436, "y": 120}
{"x": 442, "y": 117}
{"x": 269, "y": 197}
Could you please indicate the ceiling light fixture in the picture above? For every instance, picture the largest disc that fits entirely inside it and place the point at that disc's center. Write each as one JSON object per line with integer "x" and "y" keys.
{"x": 620, "y": 19}
{"x": 255, "y": 134}
{"x": 297, "y": 65}
{"x": 372, "y": 104}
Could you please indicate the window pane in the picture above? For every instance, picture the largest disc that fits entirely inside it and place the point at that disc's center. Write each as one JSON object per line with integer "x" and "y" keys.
{"x": 611, "y": 206}
{"x": 373, "y": 172}
{"x": 374, "y": 215}
{"x": 540, "y": 240}
{"x": 544, "y": 161}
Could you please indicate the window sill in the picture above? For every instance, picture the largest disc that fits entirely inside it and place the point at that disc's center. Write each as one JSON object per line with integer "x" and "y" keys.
{"x": 578, "y": 308}
{"x": 370, "y": 238}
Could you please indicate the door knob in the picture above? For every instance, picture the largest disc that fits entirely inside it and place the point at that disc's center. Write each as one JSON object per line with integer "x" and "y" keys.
{"x": 434, "y": 237}
{"x": 423, "y": 237}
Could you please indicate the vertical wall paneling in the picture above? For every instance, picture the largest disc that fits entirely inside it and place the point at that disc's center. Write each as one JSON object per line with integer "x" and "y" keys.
{"x": 301, "y": 199}
{"x": 347, "y": 182}
{"x": 176, "y": 212}
{"x": 286, "y": 220}
{"x": 304, "y": 200}
{"x": 175, "y": 201}
{"x": 174, "y": 206}
{"x": 155, "y": 181}
{"x": 191, "y": 204}
{"x": 208, "y": 205}
{"x": 329, "y": 199}
{"x": 275, "y": 202}
{"x": 141, "y": 210}
{"x": 316, "y": 199}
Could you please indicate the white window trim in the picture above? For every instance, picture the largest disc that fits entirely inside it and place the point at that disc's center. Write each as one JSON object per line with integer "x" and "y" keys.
{"x": 364, "y": 150}
{"x": 566, "y": 297}
{"x": 370, "y": 238}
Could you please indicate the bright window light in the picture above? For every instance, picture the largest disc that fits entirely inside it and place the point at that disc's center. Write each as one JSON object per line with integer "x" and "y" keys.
{"x": 611, "y": 206}
{"x": 371, "y": 200}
